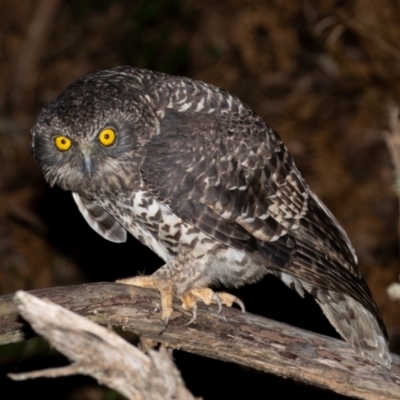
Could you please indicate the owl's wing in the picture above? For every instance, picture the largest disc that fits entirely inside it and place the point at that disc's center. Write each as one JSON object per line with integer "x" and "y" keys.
{"x": 233, "y": 179}
{"x": 99, "y": 220}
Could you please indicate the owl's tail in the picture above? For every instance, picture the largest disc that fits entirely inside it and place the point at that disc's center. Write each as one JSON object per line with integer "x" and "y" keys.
{"x": 362, "y": 329}
{"x": 356, "y": 325}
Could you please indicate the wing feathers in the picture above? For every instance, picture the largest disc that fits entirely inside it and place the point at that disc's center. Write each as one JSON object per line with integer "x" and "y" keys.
{"x": 99, "y": 220}
{"x": 250, "y": 196}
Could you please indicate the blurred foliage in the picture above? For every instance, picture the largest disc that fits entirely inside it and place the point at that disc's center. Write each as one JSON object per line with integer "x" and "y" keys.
{"x": 322, "y": 73}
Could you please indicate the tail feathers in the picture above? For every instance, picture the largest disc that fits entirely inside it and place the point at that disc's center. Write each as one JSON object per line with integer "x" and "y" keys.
{"x": 361, "y": 328}
{"x": 356, "y": 325}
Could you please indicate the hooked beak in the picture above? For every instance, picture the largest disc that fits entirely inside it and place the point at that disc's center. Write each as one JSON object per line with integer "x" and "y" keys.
{"x": 87, "y": 160}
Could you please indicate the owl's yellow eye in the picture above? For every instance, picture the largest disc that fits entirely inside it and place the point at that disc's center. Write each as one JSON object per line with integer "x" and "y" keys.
{"x": 63, "y": 143}
{"x": 107, "y": 137}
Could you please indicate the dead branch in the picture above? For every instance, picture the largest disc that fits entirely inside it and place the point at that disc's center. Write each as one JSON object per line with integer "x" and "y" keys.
{"x": 27, "y": 65}
{"x": 100, "y": 353}
{"x": 368, "y": 33}
{"x": 392, "y": 139}
{"x": 244, "y": 339}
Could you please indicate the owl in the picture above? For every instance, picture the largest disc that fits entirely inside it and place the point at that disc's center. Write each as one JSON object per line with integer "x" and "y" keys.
{"x": 194, "y": 174}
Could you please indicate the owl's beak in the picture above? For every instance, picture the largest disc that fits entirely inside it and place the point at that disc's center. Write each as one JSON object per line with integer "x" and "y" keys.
{"x": 87, "y": 160}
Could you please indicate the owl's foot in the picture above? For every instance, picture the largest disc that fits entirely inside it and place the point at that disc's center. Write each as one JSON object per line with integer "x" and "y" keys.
{"x": 165, "y": 288}
{"x": 208, "y": 296}
{"x": 189, "y": 298}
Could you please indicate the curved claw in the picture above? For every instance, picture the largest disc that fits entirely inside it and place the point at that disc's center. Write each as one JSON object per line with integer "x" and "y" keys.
{"x": 217, "y": 300}
{"x": 240, "y": 304}
{"x": 229, "y": 299}
{"x": 165, "y": 326}
{"x": 194, "y": 316}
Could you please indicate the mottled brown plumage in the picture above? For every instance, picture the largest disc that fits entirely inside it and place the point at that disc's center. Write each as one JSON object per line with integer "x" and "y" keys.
{"x": 205, "y": 183}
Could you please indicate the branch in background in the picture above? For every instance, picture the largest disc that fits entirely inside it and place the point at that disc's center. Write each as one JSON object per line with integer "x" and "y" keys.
{"x": 392, "y": 139}
{"x": 368, "y": 33}
{"x": 244, "y": 339}
{"x": 393, "y": 291}
{"x": 100, "y": 353}
{"x": 27, "y": 65}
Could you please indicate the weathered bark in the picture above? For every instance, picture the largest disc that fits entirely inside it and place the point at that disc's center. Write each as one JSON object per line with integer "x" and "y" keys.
{"x": 101, "y": 353}
{"x": 244, "y": 339}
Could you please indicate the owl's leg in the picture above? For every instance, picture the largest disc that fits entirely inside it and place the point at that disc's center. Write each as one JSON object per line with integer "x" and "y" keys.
{"x": 208, "y": 296}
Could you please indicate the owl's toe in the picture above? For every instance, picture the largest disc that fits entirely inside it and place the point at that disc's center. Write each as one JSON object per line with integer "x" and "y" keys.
{"x": 166, "y": 310}
{"x": 229, "y": 300}
{"x": 166, "y": 290}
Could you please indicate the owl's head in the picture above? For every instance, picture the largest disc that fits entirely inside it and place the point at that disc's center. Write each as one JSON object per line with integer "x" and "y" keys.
{"x": 89, "y": 137}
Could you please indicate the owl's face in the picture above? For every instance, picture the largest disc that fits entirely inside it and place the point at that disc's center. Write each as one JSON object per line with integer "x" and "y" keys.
{"x": 88, "y": 139}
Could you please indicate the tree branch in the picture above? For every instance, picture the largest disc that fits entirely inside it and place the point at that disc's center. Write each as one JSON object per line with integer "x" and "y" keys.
{"x": 244, "y": 339}
{"x": 27, "y": 65}
{"x": 101, "y": 353}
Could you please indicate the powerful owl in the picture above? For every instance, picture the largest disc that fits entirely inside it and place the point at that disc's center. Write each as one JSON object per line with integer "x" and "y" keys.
{"x": 197, "y": 176}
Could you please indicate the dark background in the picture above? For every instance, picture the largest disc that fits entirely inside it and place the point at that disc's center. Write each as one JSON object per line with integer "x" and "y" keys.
{"x": 323, "y": 73}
